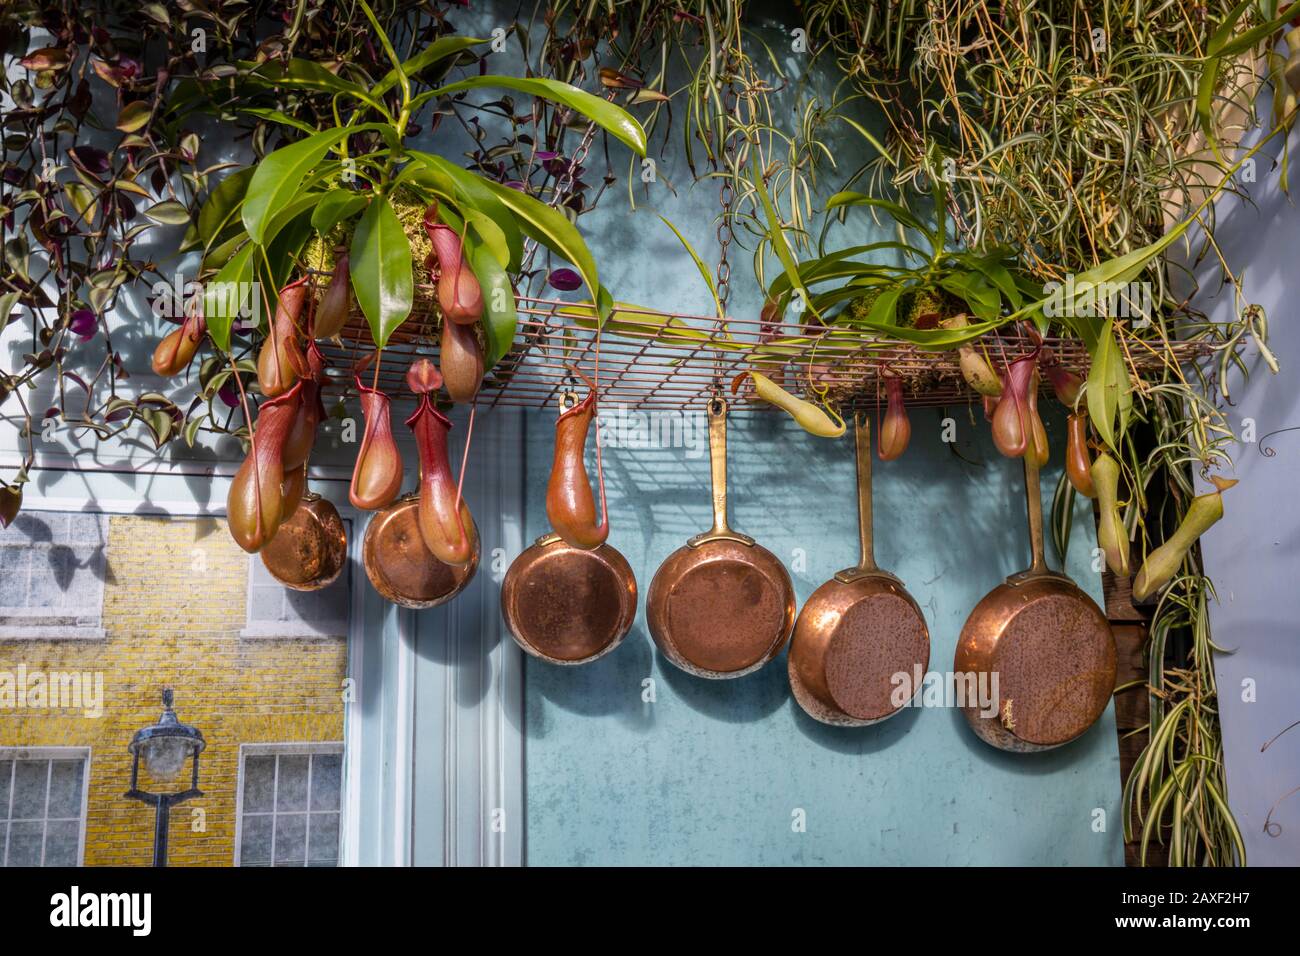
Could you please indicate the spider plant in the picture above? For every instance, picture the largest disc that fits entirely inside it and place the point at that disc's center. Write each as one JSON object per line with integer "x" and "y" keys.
{"x": 906, "y": 298}
{"x": 1086, "y": 136}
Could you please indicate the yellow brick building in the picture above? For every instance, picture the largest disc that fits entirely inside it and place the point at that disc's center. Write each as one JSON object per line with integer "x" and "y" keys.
{"x": 175, "y": 613}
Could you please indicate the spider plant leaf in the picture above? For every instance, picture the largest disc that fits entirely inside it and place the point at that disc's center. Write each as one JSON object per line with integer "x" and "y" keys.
{"x": 776, "y": 235}
{"x": 699, "y": 264}
{"x": 901, "y": 215}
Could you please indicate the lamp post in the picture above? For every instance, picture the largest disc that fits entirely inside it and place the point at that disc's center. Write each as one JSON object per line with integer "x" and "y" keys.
{"x": 165, "y": 746}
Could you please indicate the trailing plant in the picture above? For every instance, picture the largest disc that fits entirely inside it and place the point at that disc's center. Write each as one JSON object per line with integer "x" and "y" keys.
{"x": 72, "y": 212}
{"x": 1089, "y": 137}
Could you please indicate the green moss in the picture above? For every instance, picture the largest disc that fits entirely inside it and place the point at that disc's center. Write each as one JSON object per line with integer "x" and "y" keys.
{"x": 319, "y": 252}
{"x": 859, "y": 308}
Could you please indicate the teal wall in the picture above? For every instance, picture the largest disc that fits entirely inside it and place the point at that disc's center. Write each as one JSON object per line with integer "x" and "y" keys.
{"x": 711, "y": 772}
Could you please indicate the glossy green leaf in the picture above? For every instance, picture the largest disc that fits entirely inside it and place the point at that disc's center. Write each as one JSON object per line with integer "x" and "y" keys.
{"x": 435, "y": 52}
{"x": 993, "y": 267}
{"x": 229, "y": 294}
{"x": 884, "y": 310}
{"x": 380, "y": 263}
{"x": 500, "y": 318}
{"x": 308, "y": 75}
{"x": 556, "y": 233}
{"x": 218, "y": 210}
{"x": 489, "y": 234}
{"x": 276, "y": 116}
{"x": 280, "y": 176}
{"x": 833, "y": 265}
{"x": 1109, "y": 400}
{"x": 285, "y": 247}
{"x": 615, "y": 120}
{"x": 849, "y": 198}
{"x": 976, "y": 291}
{"x": 470, "y": 189}
{"x": 335, "y": 206}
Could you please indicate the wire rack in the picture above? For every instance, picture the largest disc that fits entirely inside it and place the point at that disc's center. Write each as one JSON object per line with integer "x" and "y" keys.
{"x": 650, "y": 360}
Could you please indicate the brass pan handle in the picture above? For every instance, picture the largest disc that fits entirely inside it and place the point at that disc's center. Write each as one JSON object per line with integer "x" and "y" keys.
{"x": 862, "y": 437}
{"x": 866, "y": 566}
{"x": 1034, "y": 506}
{"x": 721, "y": 531}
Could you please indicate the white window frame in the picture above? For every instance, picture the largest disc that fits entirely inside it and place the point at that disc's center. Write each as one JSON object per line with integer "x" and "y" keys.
{"x": 85, "y": 623}
{"x": 290, "y": 630}
{"x": 50, "y": 754}
{"x": 282, "y": 750}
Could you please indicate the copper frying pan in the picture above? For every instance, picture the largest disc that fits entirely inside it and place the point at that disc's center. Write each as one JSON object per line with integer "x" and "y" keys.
{"x": 720, "y": 606}
{"x": 401, "y": 568}
{"x": 309, "y": 550}
{"x": 562, "y": 603}
{"x": 857, "y": 631}
{"x": 1049, "y": 645}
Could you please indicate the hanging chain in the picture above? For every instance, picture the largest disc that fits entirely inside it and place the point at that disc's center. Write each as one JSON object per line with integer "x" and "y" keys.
{"x": 726, "y": 200}
{"x": 563, "y": 184}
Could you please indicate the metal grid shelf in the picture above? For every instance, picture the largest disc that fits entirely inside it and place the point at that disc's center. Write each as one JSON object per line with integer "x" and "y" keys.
{"x": 650, "y": 360}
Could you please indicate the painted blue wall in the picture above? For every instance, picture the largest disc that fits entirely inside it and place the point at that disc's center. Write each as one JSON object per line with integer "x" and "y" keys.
{"x": 711, "y": 772}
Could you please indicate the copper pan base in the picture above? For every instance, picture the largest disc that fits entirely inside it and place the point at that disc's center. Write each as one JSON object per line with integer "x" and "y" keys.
{"x": 310, "y": 548}
{"x": 720, "y": 609}
{"x": 402, "y": 569}
{"x": 567, "y": 605}
{"x": 1054, "y": 654}
{"x": 851, "y": 638}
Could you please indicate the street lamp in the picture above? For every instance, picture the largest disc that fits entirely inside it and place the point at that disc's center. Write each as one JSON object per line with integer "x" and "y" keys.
{"x": 165, "y": 746}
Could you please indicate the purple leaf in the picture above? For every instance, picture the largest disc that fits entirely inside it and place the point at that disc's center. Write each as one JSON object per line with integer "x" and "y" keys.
{"x": 229, "y": 394}
{"x": 90, "y": 159}
{"x": 566, "y": 280}
{"x": 83, "y": 324}
{"x": 546, "y": 155}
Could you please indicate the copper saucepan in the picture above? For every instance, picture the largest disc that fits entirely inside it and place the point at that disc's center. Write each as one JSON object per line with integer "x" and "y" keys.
{"x": 402, "y": 568}
{"x": 720, "y": 606}
{"x": 858, "y": 631}
{"x": 309, "y": 550}
{"x": 563, "y": 602}
{"x": 1048, "y": 644}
